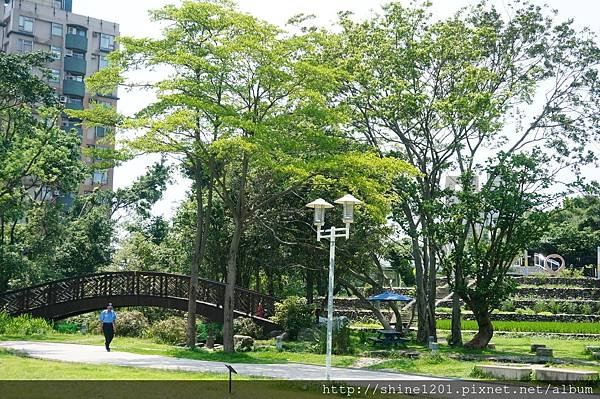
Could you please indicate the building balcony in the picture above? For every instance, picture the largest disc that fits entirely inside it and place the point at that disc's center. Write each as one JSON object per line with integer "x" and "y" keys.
{"x": 75, "y": 106}
{"x": 73, "y": 88}
{"x": 76, "y": 42}
{"x": 75, "y": 65}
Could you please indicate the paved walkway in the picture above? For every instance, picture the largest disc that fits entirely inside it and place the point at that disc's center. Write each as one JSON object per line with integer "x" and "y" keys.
{"x": 290, "y": 371}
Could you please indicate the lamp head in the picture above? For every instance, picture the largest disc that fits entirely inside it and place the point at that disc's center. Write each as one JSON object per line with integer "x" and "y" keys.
{"x": 319, "y": 206}
{"x": 348, "y": 201}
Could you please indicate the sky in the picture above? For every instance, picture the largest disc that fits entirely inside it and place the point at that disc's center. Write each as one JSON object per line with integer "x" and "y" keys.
{"x": 132, "y": 16}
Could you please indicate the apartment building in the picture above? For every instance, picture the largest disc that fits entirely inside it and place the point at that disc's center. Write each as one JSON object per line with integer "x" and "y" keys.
{"x": 79, "y": 46}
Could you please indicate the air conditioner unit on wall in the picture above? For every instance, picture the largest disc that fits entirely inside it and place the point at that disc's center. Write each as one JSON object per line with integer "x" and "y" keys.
{"x": 96, "y": 34}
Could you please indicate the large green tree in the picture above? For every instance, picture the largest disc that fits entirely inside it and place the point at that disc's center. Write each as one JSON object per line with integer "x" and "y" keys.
{"x": 38, "y": 160}
{"x": 449, "y": 94}
{"x": 246, "y": 106}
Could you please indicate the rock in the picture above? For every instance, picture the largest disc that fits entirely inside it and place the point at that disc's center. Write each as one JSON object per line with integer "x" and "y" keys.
{"x": 283, "y": 336}
{"x": 275, "y": 333}
{"x": 491, "y": 346}
{"x": 534, "y": 347}
{"x": 308, "y": 334}
{"x": 379, "y": 353}
{"x": 243, "y": 343}
{"x": 546, "y": 352}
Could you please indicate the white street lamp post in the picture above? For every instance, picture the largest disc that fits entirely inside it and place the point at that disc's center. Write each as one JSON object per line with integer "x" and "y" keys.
{"x": 348, "y": 201}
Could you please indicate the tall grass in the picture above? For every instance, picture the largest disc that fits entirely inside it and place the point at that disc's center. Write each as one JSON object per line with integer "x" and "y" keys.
{"x": 530, "y": 326}
{"x": 23, "y": 325}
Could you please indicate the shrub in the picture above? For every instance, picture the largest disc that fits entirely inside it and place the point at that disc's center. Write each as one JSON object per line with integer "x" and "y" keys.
{"x": 539, "y": 307}
{"x": 554, "y": 307}
{"x": 525, "y": 311}
{"x": 67, "y": 328}
{"x": 293, "y": 314}
{"x": 586, "y": 309}
{"x": 341, "y": 341}
{"x": 576, "y": 273}
{"x": 169, "y": 331}
{"x": 210, "y": 329}
{"x": 132, "y": 323}
{"x": 508, "y": 306}
{"x": 23, "y": 325}
{"x": 247, "y": 326}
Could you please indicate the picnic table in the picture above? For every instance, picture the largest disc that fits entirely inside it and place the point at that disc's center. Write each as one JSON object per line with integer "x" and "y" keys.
{"x": 389, "y": 338}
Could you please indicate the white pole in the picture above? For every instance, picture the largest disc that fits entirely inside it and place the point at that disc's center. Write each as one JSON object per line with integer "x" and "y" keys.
{"x": 330, "y": 305}
{"x": 598, "y": 264}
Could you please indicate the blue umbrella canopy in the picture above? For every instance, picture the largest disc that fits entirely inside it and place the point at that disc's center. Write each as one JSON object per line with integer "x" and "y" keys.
{"x": 387, "y": 296}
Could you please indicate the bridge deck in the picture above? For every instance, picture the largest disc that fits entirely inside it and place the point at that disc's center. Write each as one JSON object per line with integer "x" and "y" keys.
{"x": 69, "y": 297}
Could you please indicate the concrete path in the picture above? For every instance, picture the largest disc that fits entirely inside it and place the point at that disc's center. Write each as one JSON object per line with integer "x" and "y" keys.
{"x": 290, "y": 371}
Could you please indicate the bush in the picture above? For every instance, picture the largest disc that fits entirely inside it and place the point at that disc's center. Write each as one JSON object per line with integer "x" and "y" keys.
{"x": 23, "y": 325}
{"x": 132, "y": 324}
{"x": 293, "y": 314}
{"x": 170, "y": 331}
{"x": 554, "y": 307}
{"x": 525, "y": 311}
{"x": 341, "y": 341}
{"x": 67, "y": 328}
{"x": 575, "y": 273}
{"x": 247, "y": 326}
{"x": 508, "y": 306}
{"x": 206, "y": 330}
{"x": 586, "y": 309}
{"x": 540, "y": 307}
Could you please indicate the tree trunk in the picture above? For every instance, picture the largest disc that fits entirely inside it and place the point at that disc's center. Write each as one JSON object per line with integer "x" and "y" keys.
{"x": 195, "y": 267}
{"x": 485, "y": 330}
{"x": 382, "y": 319}
{"x": 431, "y": 293}
{"x": 309, "y": 286}
{"x": 229, "y": 301}
{"x": 456, "y": 331}
{"x": 239, "y": 216}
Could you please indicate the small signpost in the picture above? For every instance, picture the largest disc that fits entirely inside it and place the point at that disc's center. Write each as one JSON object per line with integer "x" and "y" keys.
{"x": 231, "y": 370}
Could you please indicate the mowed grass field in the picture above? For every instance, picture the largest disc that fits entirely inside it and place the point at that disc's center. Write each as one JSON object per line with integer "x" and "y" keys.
{"x": 447, "y": 364}
{"x": 530, "y": 326}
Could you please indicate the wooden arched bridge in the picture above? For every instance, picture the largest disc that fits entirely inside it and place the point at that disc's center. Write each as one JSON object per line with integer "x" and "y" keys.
{"x": 73, "y": 296}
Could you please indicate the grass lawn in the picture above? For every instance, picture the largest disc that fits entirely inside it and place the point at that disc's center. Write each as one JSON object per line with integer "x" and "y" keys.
{"x": 443, "y": 365}
{"x": 149, "y": 347}
{"x": 530, "y": 326}
{"x": 67, "y": 378}
{"x": 18, "y": 367}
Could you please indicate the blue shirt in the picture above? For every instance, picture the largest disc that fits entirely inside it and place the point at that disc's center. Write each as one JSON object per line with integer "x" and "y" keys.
{"x": 108, "y": 316}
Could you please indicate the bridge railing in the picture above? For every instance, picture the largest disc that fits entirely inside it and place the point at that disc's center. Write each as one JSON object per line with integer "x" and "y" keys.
{"x": 111, "y": 284}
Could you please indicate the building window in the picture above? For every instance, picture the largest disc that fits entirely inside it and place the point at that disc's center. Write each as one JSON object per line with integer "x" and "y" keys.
{"x": 101, "y": 132}
{"x": 25, "y": 46}
{"x": 59, "y": 4}
{"x": 107, "y": 42}
{"x": 25, "y": 24}
{"x": 77, "y": 78}
{"x": 56, "y": 52}
{"x": 100, "y": 177}
{"x": 75, "y": 101}
{"x": 57, "y": 29}
{"x": 54, "y": 76}
{"x": 103, "y": 63}
{"x": 75, "y": 54}
{"x": 73, "y": 30}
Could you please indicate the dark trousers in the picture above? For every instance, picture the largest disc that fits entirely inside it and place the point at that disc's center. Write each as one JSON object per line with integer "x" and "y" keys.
{"x": 109, "y": 333}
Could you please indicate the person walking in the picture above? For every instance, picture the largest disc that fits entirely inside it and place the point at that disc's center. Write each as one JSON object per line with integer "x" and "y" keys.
{"x": 108, "y": 317}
